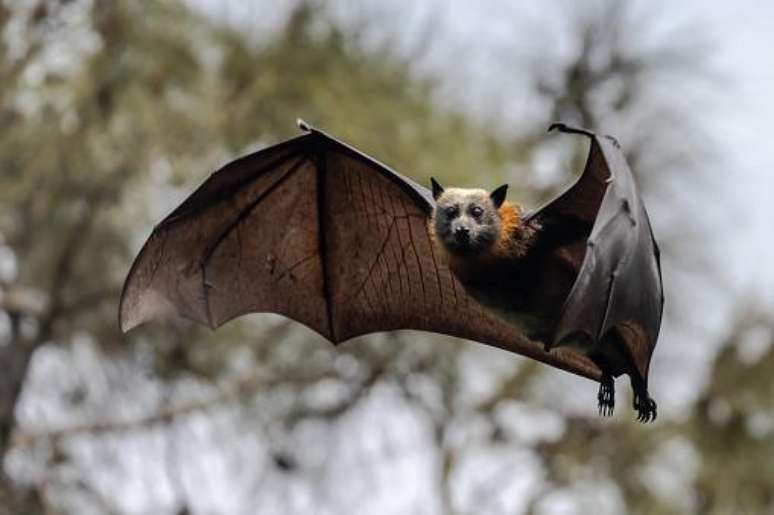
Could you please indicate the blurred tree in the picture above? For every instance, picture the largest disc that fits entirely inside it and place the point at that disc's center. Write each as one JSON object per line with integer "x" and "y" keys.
{"x": 112, "y": 128}
{"x": 732, "y": 424}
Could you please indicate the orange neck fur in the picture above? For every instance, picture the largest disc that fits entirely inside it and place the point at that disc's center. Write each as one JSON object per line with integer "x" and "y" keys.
{"x": 508, "y": 242}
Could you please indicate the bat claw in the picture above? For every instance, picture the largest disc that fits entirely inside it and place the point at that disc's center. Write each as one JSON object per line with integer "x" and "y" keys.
{"x": 556, "y": 126}
{"x": 606, "y": 396}
{"x": 563, "y": 127}
{"x": 647, "y": 409}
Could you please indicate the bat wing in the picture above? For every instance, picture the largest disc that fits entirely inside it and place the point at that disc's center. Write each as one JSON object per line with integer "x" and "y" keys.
{"x": 618, "y": 285}
{"x": 318, "y": 232}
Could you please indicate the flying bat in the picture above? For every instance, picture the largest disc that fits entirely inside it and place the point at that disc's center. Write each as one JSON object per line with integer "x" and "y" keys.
{"x": 319, "y": 232}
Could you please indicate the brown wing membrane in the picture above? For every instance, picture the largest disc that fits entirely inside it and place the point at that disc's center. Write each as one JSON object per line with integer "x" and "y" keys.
{"x": 314, "y": 230}
{"x": 582, "y": 200}
{"x": 567, "y": 220}
{"x": 239, "y": 244}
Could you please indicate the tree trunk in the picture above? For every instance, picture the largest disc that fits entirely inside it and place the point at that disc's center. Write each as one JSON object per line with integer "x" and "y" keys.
{"x": 15, "y": 359}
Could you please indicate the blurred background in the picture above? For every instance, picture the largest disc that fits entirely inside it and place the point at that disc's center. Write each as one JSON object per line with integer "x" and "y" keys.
{"x": 111, "y": 112}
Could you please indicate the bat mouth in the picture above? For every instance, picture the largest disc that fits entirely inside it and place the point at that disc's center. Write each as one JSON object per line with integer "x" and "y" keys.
{"x": 465, "y": 247}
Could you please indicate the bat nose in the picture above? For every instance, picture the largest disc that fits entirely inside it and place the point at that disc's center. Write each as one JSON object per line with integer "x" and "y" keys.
{"x": 462, "y": 234}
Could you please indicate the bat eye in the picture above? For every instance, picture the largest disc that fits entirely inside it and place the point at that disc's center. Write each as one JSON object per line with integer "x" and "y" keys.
{"x": 476, "y": 211}
{"x": 451, "y": 211}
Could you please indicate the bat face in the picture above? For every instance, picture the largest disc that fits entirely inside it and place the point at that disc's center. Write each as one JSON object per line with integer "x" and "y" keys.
{"x": 465, "y": 221}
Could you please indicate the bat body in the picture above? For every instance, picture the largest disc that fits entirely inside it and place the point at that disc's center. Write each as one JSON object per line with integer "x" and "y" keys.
{"x": 315, "y": 230}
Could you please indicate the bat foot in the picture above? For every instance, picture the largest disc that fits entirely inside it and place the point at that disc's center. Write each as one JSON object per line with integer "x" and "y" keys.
{"x": 606, "y": 396}
{"x": 646, "y": 407}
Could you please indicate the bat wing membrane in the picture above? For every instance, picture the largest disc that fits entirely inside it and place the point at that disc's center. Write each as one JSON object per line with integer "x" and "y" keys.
{"x": 618, "y": 285}
{"x": 316, "y": 231}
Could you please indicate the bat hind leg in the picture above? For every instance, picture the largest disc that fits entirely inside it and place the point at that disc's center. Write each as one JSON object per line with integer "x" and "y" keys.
{"x": 606, "y": 395}
{"x": 644, "y": 405}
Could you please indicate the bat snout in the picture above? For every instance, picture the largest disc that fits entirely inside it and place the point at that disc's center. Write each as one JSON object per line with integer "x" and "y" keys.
{"x": 462, "y": 234}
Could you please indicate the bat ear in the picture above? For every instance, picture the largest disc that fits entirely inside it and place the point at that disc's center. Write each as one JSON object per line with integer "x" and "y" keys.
{"x": 498, "y": 195}
{"x": 437, "y": 188}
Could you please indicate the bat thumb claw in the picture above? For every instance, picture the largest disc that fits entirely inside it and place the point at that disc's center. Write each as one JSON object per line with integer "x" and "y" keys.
{"x": 556, "y": 126}
{"x": 563, "y": 127}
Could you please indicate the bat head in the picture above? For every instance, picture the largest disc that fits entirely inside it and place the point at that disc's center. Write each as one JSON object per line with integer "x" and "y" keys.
{"x": 466, "y": 221}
